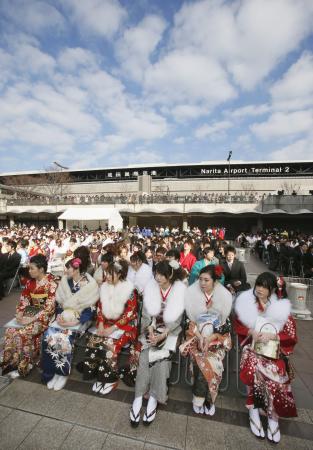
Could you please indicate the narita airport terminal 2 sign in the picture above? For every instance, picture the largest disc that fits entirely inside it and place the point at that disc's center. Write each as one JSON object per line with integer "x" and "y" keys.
{"x": 261, "y": 170}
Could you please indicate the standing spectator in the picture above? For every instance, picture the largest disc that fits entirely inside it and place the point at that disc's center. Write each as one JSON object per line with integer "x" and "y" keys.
{"x": 9, "y": 265}
{"x": 308, "y": 263}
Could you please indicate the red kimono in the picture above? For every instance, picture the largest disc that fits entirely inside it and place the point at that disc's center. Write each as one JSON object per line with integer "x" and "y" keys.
{"x": 102, "y": 352}
{"x": 268, "y": 380}
{"x": 22, "y": 345}
{"x": 187, "y": 261}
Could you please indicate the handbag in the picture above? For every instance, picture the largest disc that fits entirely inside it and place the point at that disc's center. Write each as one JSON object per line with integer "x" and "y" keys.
{"x": 269, "y": 349}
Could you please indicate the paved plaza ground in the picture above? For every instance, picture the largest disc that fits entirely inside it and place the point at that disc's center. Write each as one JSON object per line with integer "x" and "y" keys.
{"x": 32, "y": 417}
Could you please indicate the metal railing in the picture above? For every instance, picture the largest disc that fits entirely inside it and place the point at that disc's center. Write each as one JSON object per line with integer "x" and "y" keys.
{"x": 134, "y": 199}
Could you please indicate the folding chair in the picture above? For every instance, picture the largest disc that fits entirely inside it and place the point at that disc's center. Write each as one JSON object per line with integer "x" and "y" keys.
{"x": 178, "y": 361}
{"x": 16, "y": 277}
{"x": 238, "y": 356}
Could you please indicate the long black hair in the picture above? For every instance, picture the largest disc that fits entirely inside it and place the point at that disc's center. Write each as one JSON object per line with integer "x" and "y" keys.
{"x": 40, "y": 261}
{"x": 164, "y": 268}
{"x": 266, "y": 280}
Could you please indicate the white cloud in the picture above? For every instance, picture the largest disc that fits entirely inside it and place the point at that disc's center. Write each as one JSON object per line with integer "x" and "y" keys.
{"x": 126, "y": 113}
{"x": 298, "y": 150}
{"x": 179, "y": 140}
{"x": 136, "y": 45}
{"x": 23, "y": 58}
{"x": 295, "y": 89}
{"x": 187, "y": 77}
{"x": 249, "y": 37}
{"x": 185, "y": 112}
{"x": 249, "y": 110}
{"x": 70, "y": 59}
{"x": 32, "y": 16}
{"x": 100, "y": 17}
{"x": 214, "y": 129}
{"x": 284, "y": 124}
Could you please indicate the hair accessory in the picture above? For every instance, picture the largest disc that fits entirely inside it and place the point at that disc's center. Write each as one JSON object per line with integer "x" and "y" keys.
{"x": 117, "y": 266}
{"x": 76, "y": 263}
{"x": 174, "y": 264}
{"x": 218, "y": 270}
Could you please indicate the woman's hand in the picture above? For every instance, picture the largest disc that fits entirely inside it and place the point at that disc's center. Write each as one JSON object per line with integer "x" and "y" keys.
{"x": 206, "y": 341}
{"x": 105, "y": 332}
{"x": 60, "y": 320}
{"x": 19, "y": 317}
{"x": 25, "y": 320}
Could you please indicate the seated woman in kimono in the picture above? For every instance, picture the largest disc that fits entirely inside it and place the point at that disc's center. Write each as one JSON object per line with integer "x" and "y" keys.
{"x": 76, "y": 297}
{"x": 263, "y": 314}
{"x": 163, "y": 307}
{"x": 208, "y": 306}
{"x": 139, "y": 271}
{"x": 208, "y": 260}
{"x": 100, "y": 273}
{"x": 33, "y": 313}
{"x": 116, "y": 327}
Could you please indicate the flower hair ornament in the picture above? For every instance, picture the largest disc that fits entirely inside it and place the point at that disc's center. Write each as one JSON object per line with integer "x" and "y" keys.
{"x": 76, "y": 263}
{"x": 174, "y": 264}
{"x": 218, "y": 270}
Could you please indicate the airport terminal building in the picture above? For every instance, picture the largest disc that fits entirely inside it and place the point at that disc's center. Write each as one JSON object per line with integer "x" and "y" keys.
{"x": 238, "y": 195}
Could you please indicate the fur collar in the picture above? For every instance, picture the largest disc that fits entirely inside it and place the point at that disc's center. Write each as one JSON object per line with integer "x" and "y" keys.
{"x": 114, "y": 298}
{"x": 140, "y": 277}
{"x": 276, "y": 313}
{"x": 86, "y": 297}
{"x": 195, "y": 301}
{"x": 174, "y": 307}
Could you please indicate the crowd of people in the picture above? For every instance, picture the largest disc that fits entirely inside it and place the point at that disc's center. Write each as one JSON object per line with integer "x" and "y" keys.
{"x": 287, "y": 252}
{"x": 131, "y": 198}
{"x": 150, "y": 293}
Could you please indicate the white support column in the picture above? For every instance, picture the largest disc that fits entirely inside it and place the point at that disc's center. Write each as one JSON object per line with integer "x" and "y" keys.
{"x": 185, "y": 224}
{"x": 11, "y": 221}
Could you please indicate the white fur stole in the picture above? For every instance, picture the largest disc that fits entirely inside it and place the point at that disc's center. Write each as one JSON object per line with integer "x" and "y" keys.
{"x": 114, "y": 298}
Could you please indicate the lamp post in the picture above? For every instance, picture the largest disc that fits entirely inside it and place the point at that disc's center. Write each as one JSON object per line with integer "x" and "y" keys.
{"x": 60, "y": 166}
{"x": 228, "y": 159}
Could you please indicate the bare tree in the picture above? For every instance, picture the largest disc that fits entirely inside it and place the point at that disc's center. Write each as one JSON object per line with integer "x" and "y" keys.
{"x": 24, "y": 182}
{"x": 56, "y": 181}
{"x": 51, "y": 182}
{"x": 248, "y": 188}
{"x": 288, "y": 187}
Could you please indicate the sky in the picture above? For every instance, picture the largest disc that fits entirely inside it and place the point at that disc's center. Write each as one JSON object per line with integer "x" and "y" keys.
{"x": 101, "y": 83}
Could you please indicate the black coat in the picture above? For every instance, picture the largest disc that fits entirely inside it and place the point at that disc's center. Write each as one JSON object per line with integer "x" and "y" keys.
{"x": 237, "y": 273}
{"x": 308, "y": 264}
{"x": 9, "y": 265}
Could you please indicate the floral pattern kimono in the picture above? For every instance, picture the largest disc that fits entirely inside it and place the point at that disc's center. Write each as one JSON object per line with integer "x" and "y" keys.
{"x": 268, "y": 380}
{"x": 207, "y": 368}
{"x": 102, "y": 352}
{"x": 22, "y": 345}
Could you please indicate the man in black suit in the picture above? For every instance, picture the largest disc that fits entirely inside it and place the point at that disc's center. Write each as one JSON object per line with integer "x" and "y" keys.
{"x": 299, "y": 253}
{"x": 234, "y": 271}
{"x": 10, "y": 262}
{"x": 308, "y": 263}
